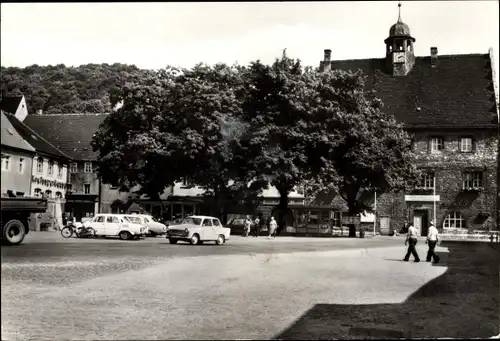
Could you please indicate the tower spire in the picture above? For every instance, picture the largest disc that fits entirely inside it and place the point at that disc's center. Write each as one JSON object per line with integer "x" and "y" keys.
{"x": 399, "y": 9}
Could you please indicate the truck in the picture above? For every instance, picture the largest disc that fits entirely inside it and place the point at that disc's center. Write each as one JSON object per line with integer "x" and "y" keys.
{"x": 15, "y": 217}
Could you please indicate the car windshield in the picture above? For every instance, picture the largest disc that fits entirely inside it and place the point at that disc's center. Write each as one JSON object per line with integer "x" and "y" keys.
{"x": 126, "y": 219}
{"x": 150, "y": 218}
{"x": 191, "y": 220}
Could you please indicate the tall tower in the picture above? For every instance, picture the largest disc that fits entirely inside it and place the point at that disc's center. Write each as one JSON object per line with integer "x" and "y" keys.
{"x": 400, "y": 56}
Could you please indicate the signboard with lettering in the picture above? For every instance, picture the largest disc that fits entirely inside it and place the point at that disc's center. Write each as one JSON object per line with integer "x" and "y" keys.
{"x": 422, "y": 197}
{"x": 350, "y": 219}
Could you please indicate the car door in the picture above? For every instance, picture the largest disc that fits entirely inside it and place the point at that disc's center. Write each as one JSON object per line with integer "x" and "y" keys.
{"x": 207, "y": 229}
{"x": 98, "y": 225}
{"x": 112, "y": 226}
{"x": 217, "y": 227}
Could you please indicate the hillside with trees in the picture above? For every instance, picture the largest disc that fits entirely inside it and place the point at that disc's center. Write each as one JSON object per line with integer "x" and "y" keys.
{"x": 61, "y": 89}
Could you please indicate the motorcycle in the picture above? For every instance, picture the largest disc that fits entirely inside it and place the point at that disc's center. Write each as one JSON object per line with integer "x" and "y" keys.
{"x": 80, "y": 231}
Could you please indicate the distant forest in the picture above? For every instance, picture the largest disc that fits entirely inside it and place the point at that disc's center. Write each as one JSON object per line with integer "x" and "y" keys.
{"x": 62, "y": 90}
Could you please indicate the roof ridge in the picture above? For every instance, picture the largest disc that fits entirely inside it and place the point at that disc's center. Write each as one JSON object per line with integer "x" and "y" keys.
{"x": 41, "y": 137}
{"x": 71, "y": 114}
{"x": 423, "y": 56}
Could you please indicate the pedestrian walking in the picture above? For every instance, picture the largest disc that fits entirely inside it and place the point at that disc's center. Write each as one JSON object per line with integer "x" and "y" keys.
{"x": 432, "y": 240}
{"x": 248, "y": 225}
{"x": 272, "y": 228}
{"x": 256, "y": 227}
{"x": 411, "y": 238}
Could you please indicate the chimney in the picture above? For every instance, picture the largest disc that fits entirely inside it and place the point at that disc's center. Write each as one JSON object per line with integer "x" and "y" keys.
{"x": 326, "y": 61}
{"x": 434, "y": 56}
{"x": 39, "y": 112}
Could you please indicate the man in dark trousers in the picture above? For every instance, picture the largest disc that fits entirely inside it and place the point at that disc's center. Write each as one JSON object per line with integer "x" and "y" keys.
{"x": 411, "y": 238}
{"x": 432, "y": 240}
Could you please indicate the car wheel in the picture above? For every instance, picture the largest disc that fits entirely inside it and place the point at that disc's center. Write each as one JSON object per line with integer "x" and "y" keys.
{"x": 173, "y": 241}
{"x": 220, "y": 239}
{"x": 124, "y": 235}
{"x": 13, "y": 232}
{"x": 194, "y": 239}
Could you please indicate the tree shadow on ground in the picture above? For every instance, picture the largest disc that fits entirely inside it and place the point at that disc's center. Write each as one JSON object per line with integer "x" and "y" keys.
{"x": 461, "y": 303}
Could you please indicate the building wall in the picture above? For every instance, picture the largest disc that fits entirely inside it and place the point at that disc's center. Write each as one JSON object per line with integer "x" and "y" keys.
{"x": 42, "y": 180}
{"x": 13, "y": 178}
{"x": 478, "y": 208}
{"x": 79, "y": 177}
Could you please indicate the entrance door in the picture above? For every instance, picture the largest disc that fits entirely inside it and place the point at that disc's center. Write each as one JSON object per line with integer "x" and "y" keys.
{"x": 385, "y": 225}
{"x": 420, "y": 222}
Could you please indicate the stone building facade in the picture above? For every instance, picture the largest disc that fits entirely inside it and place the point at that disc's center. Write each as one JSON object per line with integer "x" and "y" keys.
{"x": 447, "y": 104}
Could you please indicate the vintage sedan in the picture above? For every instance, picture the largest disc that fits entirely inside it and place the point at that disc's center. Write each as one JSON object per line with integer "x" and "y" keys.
{"x": 153, "y": 228}
{"x": 197, "y": 229}
{"x": 115, "y": 225}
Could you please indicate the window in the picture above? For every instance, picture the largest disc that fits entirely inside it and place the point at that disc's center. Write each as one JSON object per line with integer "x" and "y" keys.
{"x": 88, "y": 167}
{"x": 472, "y": 180}
{"x": 69, "y": 187}
{"x": 73, "y": 168}
{"x": 427, "y": 181}
{"x": 60, "y": 167}
{"x": 99, "y": 219}
{"x": 39, "y": 165}
{"x": 48, "y": 193}
{"x": 207, "y": 222}
{"x": 50, "y": 170}
{"x": 21, "y": 165}
{"x": 59, "y": 195}
{"x": 436, "y": 144}
{"x": 111, "y": 219}
{"x": 454, "y": 220}
{"x": 216, "y": 222}
{"x": 5, "y": 163}
{"x": 466, "y": 144}
{"x": 38, "y": 192}
{"x": 86, "y": 188}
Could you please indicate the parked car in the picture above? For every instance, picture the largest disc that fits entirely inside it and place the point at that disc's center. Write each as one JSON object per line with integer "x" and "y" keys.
{"x": 153, "y": 228}
{"x": 115, "y": 225}
{"x": 198, "y": 229}
{"x": 237, "y": 226}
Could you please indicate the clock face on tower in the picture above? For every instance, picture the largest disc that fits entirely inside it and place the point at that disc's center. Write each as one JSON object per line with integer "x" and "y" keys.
{"x": 398, "y": 57}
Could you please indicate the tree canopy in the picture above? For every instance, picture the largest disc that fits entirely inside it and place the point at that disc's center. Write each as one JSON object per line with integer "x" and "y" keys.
{"x": 60, "y": 89}
{"x": 223, "y": 127}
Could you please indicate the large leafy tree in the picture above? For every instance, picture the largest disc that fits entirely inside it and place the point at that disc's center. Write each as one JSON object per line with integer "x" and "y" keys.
{"x": 174, "y": 125}
{"x": 372, "y": 151}
{"x": 273, "y": 148}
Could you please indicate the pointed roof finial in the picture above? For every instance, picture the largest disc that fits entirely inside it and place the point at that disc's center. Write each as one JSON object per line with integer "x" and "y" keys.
{"x": 399, "y": 16}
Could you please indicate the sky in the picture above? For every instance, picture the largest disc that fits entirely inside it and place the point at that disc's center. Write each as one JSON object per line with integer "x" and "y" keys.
{"x": 154, "y": 35}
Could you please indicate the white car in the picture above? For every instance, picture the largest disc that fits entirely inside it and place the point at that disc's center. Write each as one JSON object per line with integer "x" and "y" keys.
{"x": 197, "y": 229}
{"x": 115, "y": 225}
{"x": 153, "y": 227}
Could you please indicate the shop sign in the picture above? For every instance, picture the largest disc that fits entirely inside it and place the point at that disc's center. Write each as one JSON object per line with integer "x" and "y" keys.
{"x": 422, "y": 197}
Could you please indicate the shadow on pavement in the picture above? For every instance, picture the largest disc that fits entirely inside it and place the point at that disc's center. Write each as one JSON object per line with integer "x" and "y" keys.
{"x": 461, "y": 303}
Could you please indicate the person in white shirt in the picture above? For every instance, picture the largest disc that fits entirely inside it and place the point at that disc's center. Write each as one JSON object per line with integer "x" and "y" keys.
{"x": 248, "y": 225}
{"x": 411, "y": 237}
{"x": 432, "y": 240}
{"x": 272, "y": 228}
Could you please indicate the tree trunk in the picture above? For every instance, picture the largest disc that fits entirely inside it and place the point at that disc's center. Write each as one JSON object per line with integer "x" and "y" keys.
{"x": 282, "y": 210}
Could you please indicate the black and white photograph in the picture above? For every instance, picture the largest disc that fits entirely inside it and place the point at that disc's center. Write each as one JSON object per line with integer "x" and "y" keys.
{"x": 250, "y": 170}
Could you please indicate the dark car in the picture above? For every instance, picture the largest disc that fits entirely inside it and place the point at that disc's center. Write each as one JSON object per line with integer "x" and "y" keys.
{"x": 237, "y": 226}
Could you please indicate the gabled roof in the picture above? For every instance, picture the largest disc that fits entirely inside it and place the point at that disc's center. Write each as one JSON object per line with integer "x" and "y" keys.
{"x": 35, "y": 140}
{"x": 458, "y": 92}
{"x": 71, "y": 133}
{"x": 11, "y": 138}
{"x": 10, "y": 104}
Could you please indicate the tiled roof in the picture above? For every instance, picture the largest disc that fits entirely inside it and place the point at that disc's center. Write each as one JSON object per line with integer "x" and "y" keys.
{"x": 35, "y": 140}
{"x": 71, "y": 133}
{"x": 10, "y": 104}
{"x": 458, "y": 92}
{"x": 11, "y": 138}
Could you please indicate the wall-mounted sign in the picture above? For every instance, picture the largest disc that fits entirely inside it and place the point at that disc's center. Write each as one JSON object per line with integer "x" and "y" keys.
{"x": 422, "y": 197}
{"x": 351, "y": 219}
